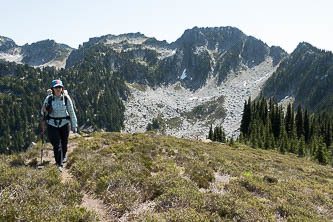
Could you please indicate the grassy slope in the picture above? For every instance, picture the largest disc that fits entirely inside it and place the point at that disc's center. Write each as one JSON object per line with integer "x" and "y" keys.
{"x": 144, "y": 177}
{"x": 30, "y": 194}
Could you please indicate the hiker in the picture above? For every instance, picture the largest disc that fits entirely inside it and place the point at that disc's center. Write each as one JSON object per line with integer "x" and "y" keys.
{"x": 58, "y": 111}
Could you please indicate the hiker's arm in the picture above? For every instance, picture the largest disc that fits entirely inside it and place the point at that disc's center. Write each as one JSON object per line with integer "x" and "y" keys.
{"x": 43, "y": 109}
{"x": 72, "y": 115}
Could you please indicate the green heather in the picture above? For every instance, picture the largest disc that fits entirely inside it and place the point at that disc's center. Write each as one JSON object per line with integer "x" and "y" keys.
{"x": 180, "y": 180}
{"x": 29, "y": 194}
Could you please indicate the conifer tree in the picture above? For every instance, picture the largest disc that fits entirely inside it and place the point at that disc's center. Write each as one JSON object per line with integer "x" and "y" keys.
{"x": 321, "y": 154}
{"x": 224, "y": 137}
{"x": 289, "y": 121}
{"x": 253, "y": 140}
{"x": 247, "y": 114}
{"x": 215, "y": 134}
{"x": 218, "y": 130}
{"x": 293, "y": 145}
{"x": 277, "y": 122}
{"x": 299, "y": 122}
{"x": 211, "y": 133}
{"x": 328, "y": 135}
{"x": 301, "y": 134}
{"x": 313, "y": 128}
{"x": 268, "y": 138}
{"x": 283, "y": 145}
{"x": 301, "y": 147}
{"x": 241, "y": 138}
{"x": 307, "y": 128}
{"x": 231, "y": 142}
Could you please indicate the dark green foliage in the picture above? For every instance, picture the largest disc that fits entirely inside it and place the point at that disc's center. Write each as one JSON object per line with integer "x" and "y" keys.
{"x": 217, "y": 134}
{"x": 211, "y": 133}
{"x": 245, "y": 123}
{"x": 155, "y": 125}
{"x": 299, "y": 122}
{"x": 290, "y": 121}
{"x": 304, "y": 135}
{"x": 301, "y": 147}
{"x": 97, "y": 93}
{"x": 322, "y": 156}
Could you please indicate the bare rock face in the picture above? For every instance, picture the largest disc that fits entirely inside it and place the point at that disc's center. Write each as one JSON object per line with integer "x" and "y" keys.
{"x": 9, "y": 51}
{"x": 39, "y": 54}
{"x": 6, "y": 44}
{"x": 42, "y": 52}
{"x": 178, "y": 107}
{"x": 202, "y": 79}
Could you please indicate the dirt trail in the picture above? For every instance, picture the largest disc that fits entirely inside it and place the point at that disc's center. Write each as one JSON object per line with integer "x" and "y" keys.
{"x": 88, "y": 201}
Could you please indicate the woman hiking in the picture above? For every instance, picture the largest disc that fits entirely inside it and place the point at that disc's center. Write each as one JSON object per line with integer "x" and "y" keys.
{"x": 59, "y": 112}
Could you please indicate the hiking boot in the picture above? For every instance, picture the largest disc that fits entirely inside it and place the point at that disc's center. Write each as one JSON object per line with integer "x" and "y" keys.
{"x": 60, "y": 168}
{"x": 64, "y": 160}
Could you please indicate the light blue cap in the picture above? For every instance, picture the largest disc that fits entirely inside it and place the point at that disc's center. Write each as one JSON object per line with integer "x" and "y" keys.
{"x": 56, "y": 83}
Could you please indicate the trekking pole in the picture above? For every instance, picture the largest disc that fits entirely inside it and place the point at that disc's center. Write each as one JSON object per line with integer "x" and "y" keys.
{"x": 42, "y": 149}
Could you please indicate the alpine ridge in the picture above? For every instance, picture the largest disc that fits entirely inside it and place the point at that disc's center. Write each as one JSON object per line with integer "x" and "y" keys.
{"x": 306, "y": 76}
{"x": 39, "y": 54}
{"x": 201, "y": 79}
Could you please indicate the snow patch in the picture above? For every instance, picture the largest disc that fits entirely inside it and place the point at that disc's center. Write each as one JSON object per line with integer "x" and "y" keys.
{"x": 183, "y": 76}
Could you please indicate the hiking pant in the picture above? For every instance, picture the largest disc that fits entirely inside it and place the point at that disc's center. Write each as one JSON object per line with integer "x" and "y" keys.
{"x": 57, "y": 135}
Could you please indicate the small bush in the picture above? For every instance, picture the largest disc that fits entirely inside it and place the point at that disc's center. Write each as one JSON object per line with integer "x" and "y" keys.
{"x": 17, "y": 161}
{"x": 200, "y": 173}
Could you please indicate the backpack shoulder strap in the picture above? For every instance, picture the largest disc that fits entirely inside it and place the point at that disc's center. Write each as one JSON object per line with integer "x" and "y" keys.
{"x": 66, "y": 99}
{"x": 49, "y": 104}
{"x": 49, "y": 101}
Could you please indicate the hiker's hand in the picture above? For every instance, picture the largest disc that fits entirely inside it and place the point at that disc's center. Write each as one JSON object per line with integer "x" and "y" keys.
{"x": 74, "y": 129}
{"x": 44, "y": 109}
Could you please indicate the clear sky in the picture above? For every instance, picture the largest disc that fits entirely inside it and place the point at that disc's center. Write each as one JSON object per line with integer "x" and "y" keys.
{"x": 283, "y": 23}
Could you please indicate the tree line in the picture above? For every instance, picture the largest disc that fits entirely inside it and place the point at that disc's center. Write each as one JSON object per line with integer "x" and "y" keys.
{"x": 266, "y": 125}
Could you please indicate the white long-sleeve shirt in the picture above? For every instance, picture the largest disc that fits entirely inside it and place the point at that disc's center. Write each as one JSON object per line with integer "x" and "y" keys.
{"x": 60, "y": 110}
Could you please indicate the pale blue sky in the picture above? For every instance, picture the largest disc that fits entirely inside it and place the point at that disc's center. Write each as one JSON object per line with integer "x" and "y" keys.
{"x": 284, "y": 23}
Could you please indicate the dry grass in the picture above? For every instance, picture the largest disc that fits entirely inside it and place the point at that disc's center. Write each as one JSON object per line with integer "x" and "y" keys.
{"x": 182, "y": 178}
{"x": 145, "y": 177}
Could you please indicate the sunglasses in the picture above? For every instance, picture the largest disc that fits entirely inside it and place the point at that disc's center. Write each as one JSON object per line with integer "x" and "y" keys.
{"x": 58, "y": 87}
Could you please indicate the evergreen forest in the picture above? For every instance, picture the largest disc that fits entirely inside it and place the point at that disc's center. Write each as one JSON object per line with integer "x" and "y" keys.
{"x": 266, "y": 125}
{"x": 23, "y": 90}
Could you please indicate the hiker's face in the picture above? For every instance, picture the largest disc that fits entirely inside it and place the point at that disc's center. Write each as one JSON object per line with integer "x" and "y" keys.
{"x": 57, "y": 90}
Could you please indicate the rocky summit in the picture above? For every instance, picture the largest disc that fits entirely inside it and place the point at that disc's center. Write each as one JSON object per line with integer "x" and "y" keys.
{"x": 201, "y": 79}
{"x": 39, "y": 54}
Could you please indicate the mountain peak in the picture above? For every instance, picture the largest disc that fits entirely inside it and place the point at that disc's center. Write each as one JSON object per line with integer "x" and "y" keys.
{"x": 305, "y": 47}
{"x": 6, "y": 43}
{"x": 137, "y": 38}
{"x": 200, "y": 34}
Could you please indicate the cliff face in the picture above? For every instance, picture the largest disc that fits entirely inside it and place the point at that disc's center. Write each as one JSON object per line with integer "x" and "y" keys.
{"x": 199, "y": 54}
{"x": 42, "y": 53}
